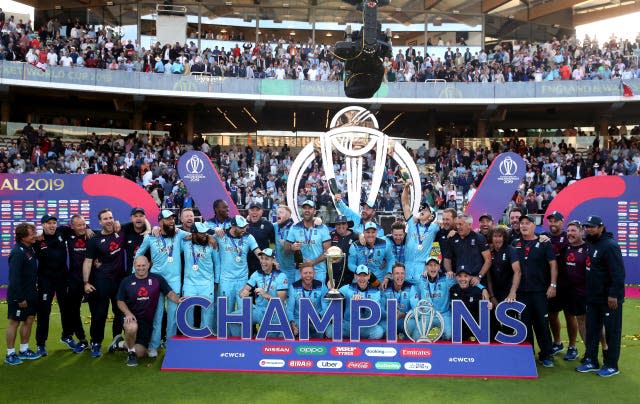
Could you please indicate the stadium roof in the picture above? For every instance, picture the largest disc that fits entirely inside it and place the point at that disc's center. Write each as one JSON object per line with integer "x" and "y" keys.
{"x": 562, "y": 12}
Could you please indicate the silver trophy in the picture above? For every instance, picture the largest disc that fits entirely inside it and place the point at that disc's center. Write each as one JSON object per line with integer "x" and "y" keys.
{"x": 424, "y": 315}
{"x": 333, "y": 255}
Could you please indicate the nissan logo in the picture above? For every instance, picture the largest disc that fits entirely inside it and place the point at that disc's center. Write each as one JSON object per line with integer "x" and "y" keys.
{"x": 194, "y": 165}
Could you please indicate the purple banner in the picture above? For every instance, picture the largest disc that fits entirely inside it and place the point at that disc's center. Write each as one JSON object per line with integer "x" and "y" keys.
{"x": 203, "y": 183}
{"x": 617, "y": 201}
{"x": 497, "y": 187}
{"x": 364, "y": 358}
{"x": 28, "y": 197}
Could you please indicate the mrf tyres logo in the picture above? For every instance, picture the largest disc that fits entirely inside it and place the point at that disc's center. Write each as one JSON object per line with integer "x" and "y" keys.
{"x": 194, "y": 167}
{"x": 508, "y": 169}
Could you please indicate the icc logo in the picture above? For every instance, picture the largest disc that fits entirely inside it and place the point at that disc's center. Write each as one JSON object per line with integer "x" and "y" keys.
{"x": 508, "y": 167}
{"x": 194, "y": 165}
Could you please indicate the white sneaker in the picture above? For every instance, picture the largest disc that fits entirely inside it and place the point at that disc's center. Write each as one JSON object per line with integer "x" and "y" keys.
{"x": 152, "y": 353}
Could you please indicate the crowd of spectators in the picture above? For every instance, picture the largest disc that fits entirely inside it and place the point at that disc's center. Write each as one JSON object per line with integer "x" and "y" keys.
{"x": 74, "y": 44}
{"x": 449, "y": 175}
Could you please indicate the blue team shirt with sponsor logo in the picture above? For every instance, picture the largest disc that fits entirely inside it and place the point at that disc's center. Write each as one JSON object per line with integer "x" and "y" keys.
{"x": 312, "y": 240}
{"x": 315, "y": 294}
{"x": 271, "y": 283}
{"x": 229, "y": 248}
{"x": 165, "y": 255}
{"x": 206, "y": 258}
{"x": 378, "y": 258}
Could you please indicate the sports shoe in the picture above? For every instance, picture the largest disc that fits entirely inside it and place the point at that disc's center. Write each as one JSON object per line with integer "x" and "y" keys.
{"x": 572, "y": 354}
{"x": 12, "y": 359}
{"x": 81, "y": 346}
{"x": 587, "y": 366}
{"x": 556, "y": 348}
{"x": 68, "y": 341}
{"x": 132, "y": 359}
{"x": 608, "y": 372}
{"x": 547, "y": 363}
{"x": 113, "y": 346}
{"x": 29, "y": 355}
{"x": 42, "y": 351}
{"x": 152, "y": 353}
{"x": 95, "y": 350}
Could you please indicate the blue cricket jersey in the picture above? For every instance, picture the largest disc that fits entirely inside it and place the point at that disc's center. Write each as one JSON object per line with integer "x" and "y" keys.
{"x": 200, "y": 264}
{"x": 315, "y": 294}
{"x": 378, "y": 259}
{"x": 312, "y": 240}
{"x": 403, "y": 296}
{"x": 272, "y": 283}
{"x": 358, "y": 225}
{"x": 232, "y": 252}
{"x": 165, "y": 256}
{"x": 349, "y": 291}
{"x": 284, "y": 259}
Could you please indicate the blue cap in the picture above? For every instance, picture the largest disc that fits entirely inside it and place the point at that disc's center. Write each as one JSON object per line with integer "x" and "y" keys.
{"x": 137, "y": 210}
{"x": 199, "y": 227}
{"x": 309, "y": 202}
{"x": 556, "y": 215}
{"x": 593, "y": 221}
{"x": 239, "y": 221}
{"x": 46, "y": 218}
{"x": 362, "y": 269}
{"x": 371, "y": 225}
{"x": 268, "y": 252}
{"x": 165, "y": 214}
{"x": 370, "y": 204}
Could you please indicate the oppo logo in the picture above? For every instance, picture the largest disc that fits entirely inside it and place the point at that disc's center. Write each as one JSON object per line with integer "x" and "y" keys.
{"x": 424, "y": 366}
{"x": 300, "y": 364}
{"x": 276, "y": 349}
{"x": 271, "y": 363}
{"x": 346, "y": 351}
{"x": 380, "y": 351}
{"x": 416, "y": 352}
{"x": 329, "y": 364}
{"x": 311, "y": 350}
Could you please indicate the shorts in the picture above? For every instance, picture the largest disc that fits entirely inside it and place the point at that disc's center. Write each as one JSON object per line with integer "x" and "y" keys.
{"x": 143, "y": 336}
{"x": 556, "y": 304}
{"x": 14, "y": 312}
{"x": 575, "y": 305}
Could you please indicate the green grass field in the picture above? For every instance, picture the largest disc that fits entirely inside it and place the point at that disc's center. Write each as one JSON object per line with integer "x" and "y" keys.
{"x": 66, "y": 377}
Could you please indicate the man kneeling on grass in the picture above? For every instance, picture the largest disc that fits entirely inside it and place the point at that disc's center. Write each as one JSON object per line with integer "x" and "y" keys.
{"x": 138, "y": 299}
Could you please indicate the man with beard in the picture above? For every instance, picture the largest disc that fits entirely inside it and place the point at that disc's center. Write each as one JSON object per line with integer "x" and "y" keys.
{"x": 359, "y": 290}
{"x": 503, "y": 277}
{"x": 470, "y": 295}
{"x": 165, "y": 251}
{"x": 397, "y": 241}
{"x": 310, "y": 240}
{"x": 76, "y": 248}
{"x": 399, "y": 290}
{"x": 514, "y": 222}
{"x": 234, "y": 245}
{"x": 265, "y": 284}
{"x": 486, "y": 225}
{"x": 367, "y": 214}
{"x": 559, "y": 241}
{"x": 305, "y": 288}
{"x": 200, "y": 272}
{"x": 421, "y": 233}
{"x": 447, "y": 230}
{"x": 538, "y": 283}
{"x": 572, "y": 272}
{"x": 262, "y": 230}
{"x": 375, "y": 253}
{"x": 102, "y": 270}
{"x": 134, "y": 233}
{"x": 281, "y": 230}
{"x": 221, "y": 220}
{"x": 342, "y": 237}
{"x": 605, "y": 296}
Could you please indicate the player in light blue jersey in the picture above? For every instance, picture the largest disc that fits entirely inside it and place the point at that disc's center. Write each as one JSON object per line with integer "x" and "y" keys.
{"x": 165, "y": 257}
{"x": 421, "y": 232}
{"x": 200, "y": 268}
{"x": 266, "y": 284}
{"x": 375, "y": 253}
{"x": 311, "y": 240}
{"x": 221, "y": 220}
{"x": 233, "y": 247}
{"x": 367, "y": 214}
{"x": 281, "y": 229}
{"x": 306, "y": 288}
{"x": 401, "y": 291}
{"x": 358, "y": 291}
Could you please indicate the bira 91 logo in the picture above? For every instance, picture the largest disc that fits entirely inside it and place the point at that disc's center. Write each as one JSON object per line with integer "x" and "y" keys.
{"x": 276, "y": 349}
{"x": 346, "y": 351}
{"x": 300, "y": 364}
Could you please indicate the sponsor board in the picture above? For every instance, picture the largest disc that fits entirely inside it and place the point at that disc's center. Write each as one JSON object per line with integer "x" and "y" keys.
{"x": 364, "y": 357}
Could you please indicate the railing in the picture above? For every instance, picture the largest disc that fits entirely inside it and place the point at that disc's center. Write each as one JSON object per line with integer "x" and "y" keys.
{"x": 117, "y": 81}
